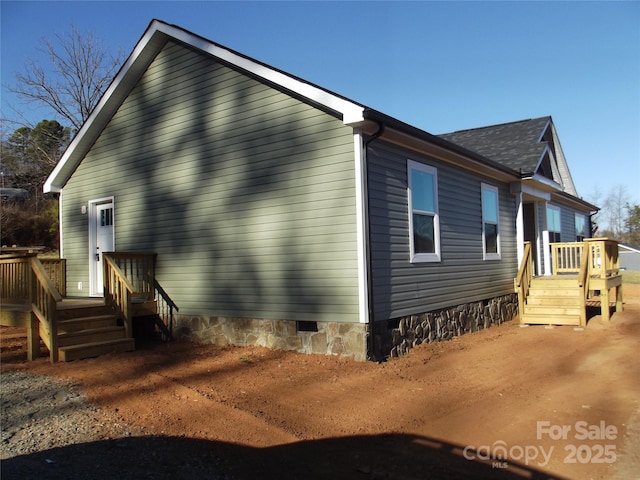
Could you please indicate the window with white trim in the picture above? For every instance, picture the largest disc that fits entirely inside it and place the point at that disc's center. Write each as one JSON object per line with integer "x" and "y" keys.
{"x": 490, "y": 222}
{"x": 424, "y": 221}
{"x": 581, "y": 227}
{"x": 553, "y": 224}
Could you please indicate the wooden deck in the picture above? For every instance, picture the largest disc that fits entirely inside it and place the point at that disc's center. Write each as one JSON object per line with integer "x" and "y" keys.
{"x": 586, "y": 274}
{"x": 31, "y": 296}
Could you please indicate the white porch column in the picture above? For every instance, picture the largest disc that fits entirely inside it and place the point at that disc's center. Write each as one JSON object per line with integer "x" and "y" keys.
{"x": 546, "y": 252}
{"x": 519, "y": 227}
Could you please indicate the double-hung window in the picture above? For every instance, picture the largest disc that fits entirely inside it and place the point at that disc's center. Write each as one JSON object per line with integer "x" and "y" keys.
{"x": 490, "y": 222}
{"x": 581, "y": 227}
{"x": 424, "y": 223}
{"x": 553, "y": 224}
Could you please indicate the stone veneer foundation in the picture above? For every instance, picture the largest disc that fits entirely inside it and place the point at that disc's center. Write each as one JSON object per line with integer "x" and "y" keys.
{"x": 396, "y": 337}
{"x": 392, "y": 338}
{"x": 331, "y": 338}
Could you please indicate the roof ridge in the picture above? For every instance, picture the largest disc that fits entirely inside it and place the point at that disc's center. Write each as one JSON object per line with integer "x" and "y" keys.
{"x": 495, "y": 125}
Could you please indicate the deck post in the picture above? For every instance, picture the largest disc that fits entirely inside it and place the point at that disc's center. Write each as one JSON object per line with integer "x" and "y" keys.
{"x": 604, "y": 304}
{"x": 33, "y": 337}
{"x": 619, "y": 298}
{"x": 583, "y": 314}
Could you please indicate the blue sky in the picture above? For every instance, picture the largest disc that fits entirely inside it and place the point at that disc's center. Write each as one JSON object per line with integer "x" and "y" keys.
{"x": 440, "y": 66}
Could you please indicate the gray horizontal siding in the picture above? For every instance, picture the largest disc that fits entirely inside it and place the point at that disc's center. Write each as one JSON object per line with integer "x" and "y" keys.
{"x": 402, "y": 288}
{"x": 246, "y": 194}
{"x": 75, "y": 243}
{"x": 568, "y": 223}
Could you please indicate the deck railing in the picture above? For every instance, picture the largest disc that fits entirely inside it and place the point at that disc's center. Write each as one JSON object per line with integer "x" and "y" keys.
{"x": 601, "y": 257}
{"x": 44, "y": 300}
{"x": 15, "y": 274}
{"x": 594, "y": 260}
{"x": 14, "y": 270}
{"x": 39, "y": 284}
{"x": 566, "y": 257}
{"x": 129, "y": 279}
{"x": 119, "y": 291}
{"x": 138, "y": 268}
{"x": 525, "y": 274}
{"x": 26, "y": 281}
{"x": 604, "y": 261}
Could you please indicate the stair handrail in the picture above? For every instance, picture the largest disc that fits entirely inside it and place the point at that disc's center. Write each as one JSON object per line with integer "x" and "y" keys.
{"x": 584, "y": 274}
{"x": 44, "y": 298}
{"x": 525, "y": 275}
{"x": 525, "y": 269}
{"x": 118, "y": 291}
{"x": 139, "y": 269}
{"x": 161, "y": 294}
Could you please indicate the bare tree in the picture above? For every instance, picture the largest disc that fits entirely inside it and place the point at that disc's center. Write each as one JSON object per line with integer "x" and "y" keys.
{"x": 615, "y": 206}
{"x": 80, "y": 71}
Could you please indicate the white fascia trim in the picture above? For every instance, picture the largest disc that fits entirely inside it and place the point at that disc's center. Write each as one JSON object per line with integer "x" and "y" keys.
{"x": 361, "y": 227}
{"x": 352, "y": 113}
{"x": 528, "y": 189}
{"x": 48, "y": 186}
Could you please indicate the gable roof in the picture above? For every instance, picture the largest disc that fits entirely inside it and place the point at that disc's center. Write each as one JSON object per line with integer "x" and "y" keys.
{"x": 352, "y": 113}
{"x": 156, "y": 36}
{"x": 528, "y": 146}
{"x": 516, "y": 144}
{"x": 453, "y": 147}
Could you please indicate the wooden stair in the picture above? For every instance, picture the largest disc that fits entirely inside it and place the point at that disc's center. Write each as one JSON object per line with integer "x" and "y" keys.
{"x": 556, "y": 300}
{"x": 89, "y": 329}
{"x": 32, "y": 295}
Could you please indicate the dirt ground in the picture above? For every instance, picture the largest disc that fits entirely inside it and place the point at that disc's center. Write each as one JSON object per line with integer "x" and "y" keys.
{"x": 507, "y": 402}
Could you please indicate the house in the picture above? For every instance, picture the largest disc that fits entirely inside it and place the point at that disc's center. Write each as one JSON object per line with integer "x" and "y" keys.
{"x": 550, "y": 208}
{"x": 285, "y": 215}
{"x": 8, "y": 194}
{"x": 629, "y": 257}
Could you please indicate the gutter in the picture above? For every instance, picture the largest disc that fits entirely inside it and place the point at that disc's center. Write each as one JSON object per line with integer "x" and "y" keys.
{"x": 399, "y": 126}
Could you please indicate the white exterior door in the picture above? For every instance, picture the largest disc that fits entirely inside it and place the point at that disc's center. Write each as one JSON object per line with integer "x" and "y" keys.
{"x": 101, "y": 239}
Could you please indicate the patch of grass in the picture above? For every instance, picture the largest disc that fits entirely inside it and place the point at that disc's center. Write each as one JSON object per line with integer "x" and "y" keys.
{"x": 245, "y": 360}
{"x": 630, "y": 276}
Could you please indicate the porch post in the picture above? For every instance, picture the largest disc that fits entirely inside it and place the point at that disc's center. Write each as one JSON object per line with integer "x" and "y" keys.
{"x": 546, "y": 252}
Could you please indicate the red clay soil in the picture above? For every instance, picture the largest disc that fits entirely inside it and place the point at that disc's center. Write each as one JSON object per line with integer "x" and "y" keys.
{"x": 507, "y": 402}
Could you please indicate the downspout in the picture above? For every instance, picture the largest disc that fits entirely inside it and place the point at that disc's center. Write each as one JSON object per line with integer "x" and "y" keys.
{"x": 365, "y": 172}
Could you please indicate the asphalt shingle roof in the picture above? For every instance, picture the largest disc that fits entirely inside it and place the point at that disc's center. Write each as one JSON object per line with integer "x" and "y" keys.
{"x": 515, "y": 145}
